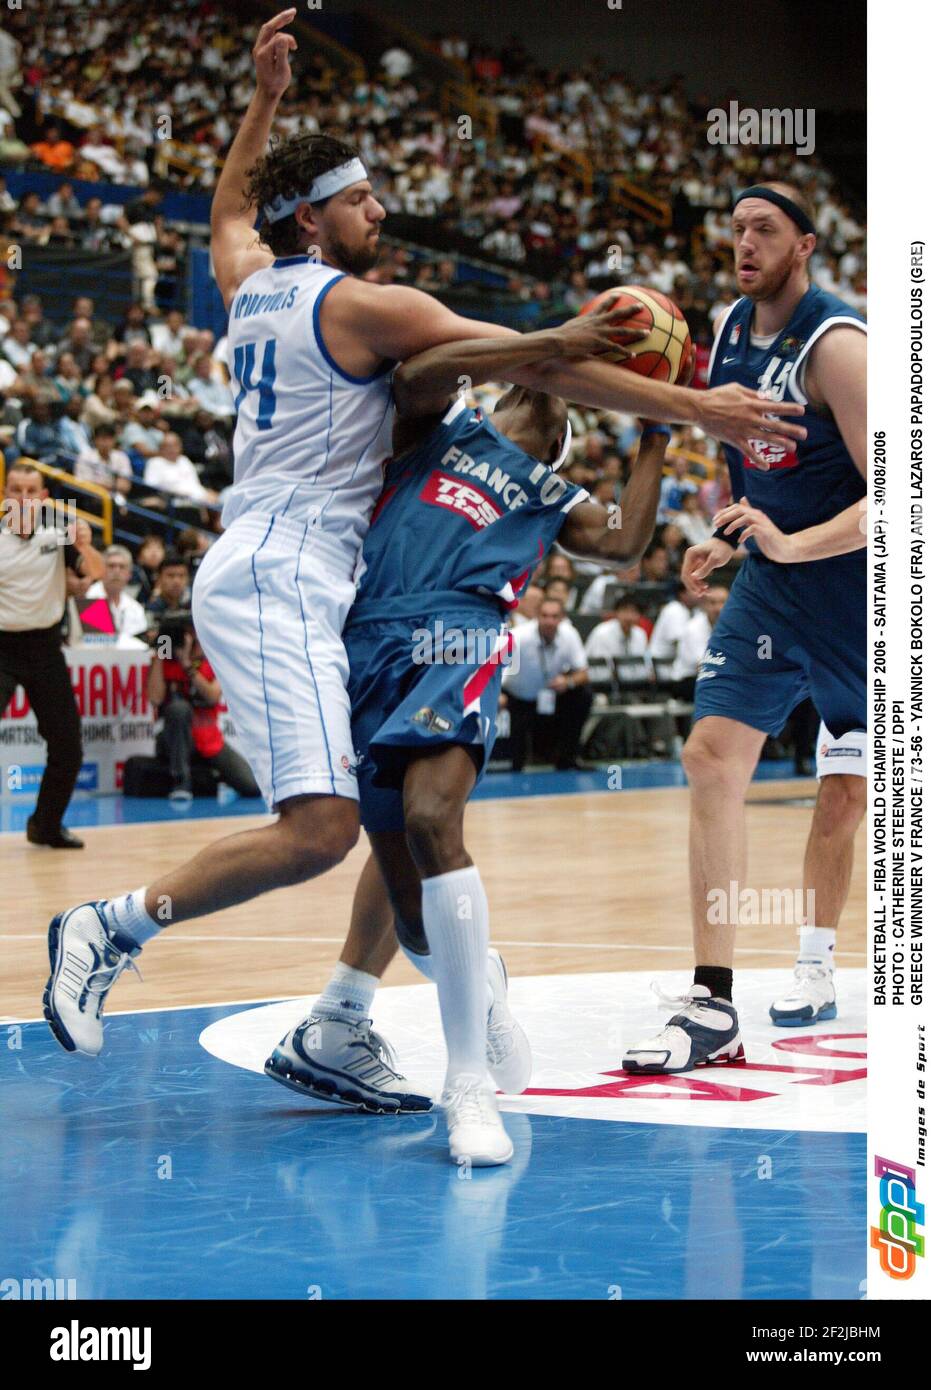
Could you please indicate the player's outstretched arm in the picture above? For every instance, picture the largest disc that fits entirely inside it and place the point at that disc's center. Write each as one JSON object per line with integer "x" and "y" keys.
{"x": 424, "y": 383}
{"x": 731, "y": 413}
{"x": 621, "y": 537}
{"x": 234, "y": 246}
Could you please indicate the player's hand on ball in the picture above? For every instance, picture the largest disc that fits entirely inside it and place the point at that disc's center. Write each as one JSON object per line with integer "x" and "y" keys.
{"x": 270, "y": 54}
{"x": 600, "y": 333}
{"x": 747, "y": 420}
{"x": 700, "y": 560}
{"x": 755, "y": 525}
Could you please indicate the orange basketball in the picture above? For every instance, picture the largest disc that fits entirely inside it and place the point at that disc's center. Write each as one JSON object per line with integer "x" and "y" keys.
{"x": 664, "y": 355}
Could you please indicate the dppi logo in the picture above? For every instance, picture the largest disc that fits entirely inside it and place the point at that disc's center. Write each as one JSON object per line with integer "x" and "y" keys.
{"x": 896, "y": 1236}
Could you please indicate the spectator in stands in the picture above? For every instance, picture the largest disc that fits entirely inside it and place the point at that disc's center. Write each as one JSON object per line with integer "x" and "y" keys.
{"x": 669, "y": 628}
{"x": 28, "y": 224}
{"x": 103, "y": 463}
{"x": 596, "y": 596}
{"x": 168, "y": 336}
{"x": 547, "y": 684}
{"x": 558, "y": 589}
{"x": 142, "y": 433}
{"x": 41, "y": 435}
{"x": 654, "y": 569}
{"x": 622, "y": 638}
{"x": 213, "y": 395}
{"x": 186, "y": 693}
{"x": 94, "y": 234}
{"x": 695, "y": 638}
{"x": 128, "y": 613}
{"x": 396, "y": 62}
{"x": 78, "y": 341}
{"x": 559, "y": 566}
{"x": 75, "y": 435}
{"x": 63, "y": 203}
{"x": 99, "y": 403}
{"x": 139, "y": 369}
{"x": 41, "y": 332}
{"x": 54, "y": 152}
{"x": 172, "y": 591}
{"x": 134, "y": 324}
{"x": 528, "y": 605}
{"x": 149, "y": 556}
{"x": 694, "y": 526}
{"x": 68, "y": 380}
{"x": 673, "y": 488}
{"x": 194, "y": 545}
{"x": 37, "y": 382}
{"x": 83, "y": 308}
{"x": 172, "y": 471}
{"x": 18, "y": 347}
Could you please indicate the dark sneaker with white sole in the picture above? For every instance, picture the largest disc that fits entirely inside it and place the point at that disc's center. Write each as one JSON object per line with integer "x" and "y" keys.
{"x": 704, "y": 1033}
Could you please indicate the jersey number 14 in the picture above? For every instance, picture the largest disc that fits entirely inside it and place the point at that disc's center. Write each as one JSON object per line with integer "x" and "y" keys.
{"x": 244, "y": 372}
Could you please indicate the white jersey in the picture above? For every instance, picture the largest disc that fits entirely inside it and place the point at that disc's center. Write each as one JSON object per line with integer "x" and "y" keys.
{"x": 310, "y": 440}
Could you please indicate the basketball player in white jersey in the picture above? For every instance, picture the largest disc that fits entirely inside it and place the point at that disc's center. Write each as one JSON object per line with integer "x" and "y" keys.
{"x": 312, "y": 347}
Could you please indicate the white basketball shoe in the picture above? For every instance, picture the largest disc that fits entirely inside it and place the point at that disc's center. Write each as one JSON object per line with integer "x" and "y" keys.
{"x": 809, "y": 999}
{"x": 704, "y": 1032}
{"x": 86, "y": 960}
{"x": 507, "y": 1050}
{"x": 477, "y": 1137}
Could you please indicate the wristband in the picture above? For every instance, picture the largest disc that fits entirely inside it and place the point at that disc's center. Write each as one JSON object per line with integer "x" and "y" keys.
{"x": 664, "y": 430}
{"x": 719, "y": 535}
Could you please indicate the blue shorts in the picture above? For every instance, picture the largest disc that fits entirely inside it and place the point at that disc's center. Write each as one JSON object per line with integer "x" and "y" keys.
{"x": 412, "y": 693}
{"x": 787, "y": 632}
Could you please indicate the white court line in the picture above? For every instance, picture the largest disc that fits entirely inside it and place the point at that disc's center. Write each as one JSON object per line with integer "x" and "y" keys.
{"x": 179, "y": 940}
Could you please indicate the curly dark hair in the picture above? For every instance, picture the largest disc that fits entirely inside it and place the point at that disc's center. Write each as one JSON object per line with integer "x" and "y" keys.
{"x": 288, "y": 169}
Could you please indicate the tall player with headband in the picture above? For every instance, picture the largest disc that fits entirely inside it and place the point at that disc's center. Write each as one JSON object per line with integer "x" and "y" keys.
{"x": 794, "y": 623}
{"x": 312, "y": 347}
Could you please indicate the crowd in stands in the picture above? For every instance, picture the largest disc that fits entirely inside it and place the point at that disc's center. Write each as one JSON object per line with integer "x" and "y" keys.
{"x": 121, "y": 94}
{"x": 142, "y": 407}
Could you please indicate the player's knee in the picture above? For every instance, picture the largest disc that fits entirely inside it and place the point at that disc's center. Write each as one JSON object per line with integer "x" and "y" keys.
{"x": 316, "y": 840}
{"x": 706, "y": 762}
{"x": 840, "y": 807}
{"x": 433, "y": 823}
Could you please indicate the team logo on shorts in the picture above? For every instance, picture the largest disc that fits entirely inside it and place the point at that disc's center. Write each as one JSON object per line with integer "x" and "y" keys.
{"x": 431, "y": 720}
{"x": 348, "y": 765}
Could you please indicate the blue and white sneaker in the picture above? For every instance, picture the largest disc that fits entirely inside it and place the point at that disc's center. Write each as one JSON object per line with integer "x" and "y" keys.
{"x": 86, "y": 959}
{"x": 345, "y": 1062}
{"x": 704, "y": 1033}
{"x": 810, "y": 998}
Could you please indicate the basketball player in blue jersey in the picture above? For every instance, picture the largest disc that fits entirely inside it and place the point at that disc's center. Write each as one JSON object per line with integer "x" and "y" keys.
{"x": 470, "y": 507}
{"x": 312, "y": 347}
{"x": 794, "y": 623}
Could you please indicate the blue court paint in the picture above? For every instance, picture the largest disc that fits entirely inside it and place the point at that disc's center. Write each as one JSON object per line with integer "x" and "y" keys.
{"x": 267, "y": 1198}
{"x": 87, "y": 811}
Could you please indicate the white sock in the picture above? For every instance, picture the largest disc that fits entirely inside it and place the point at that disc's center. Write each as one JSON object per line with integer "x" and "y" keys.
{"x": 424, "y": 963}
{"x": 348, "y": 995}
{"x": 817, "y": 943}
{"x": 128, "y": 916}
{"x": 455, "y": 919}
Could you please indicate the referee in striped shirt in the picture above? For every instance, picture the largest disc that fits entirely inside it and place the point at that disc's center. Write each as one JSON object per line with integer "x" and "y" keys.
{"x": 34, "y": 557}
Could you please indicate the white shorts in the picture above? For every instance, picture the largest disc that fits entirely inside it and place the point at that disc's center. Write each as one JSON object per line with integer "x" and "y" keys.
{"x": 846, "y": 754}
{"x": 269, "y": 603}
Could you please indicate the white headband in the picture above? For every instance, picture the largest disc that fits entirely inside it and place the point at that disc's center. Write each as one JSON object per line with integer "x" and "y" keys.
{"x": 564, "y": 451}
{"x": 324, "y": 186}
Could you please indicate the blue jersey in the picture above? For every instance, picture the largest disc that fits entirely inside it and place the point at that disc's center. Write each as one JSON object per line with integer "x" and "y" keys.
{"x": 465, "y": 513}
{"x": 815, "y": 479}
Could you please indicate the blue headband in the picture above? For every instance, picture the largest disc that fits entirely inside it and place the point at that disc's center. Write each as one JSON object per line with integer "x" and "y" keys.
{"x": 769, "y": 195}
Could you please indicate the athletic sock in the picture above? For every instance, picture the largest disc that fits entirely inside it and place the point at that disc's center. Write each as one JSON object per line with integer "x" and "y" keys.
{"x": 455, "y": 919}
{"x": 424, "y": 963}
{"x": 348, "y": 995}
{"x": 717, "y": 978}
{"x": 817, "y": 943}
{"x": 127, "y": 915}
